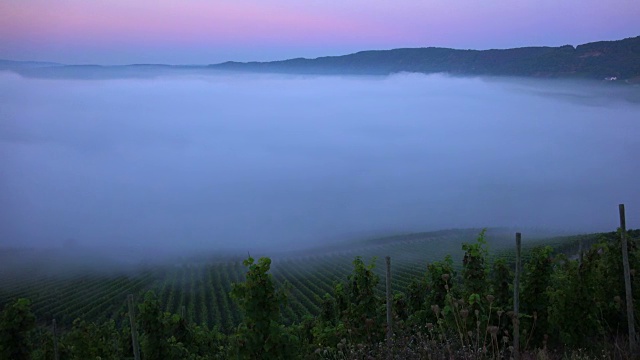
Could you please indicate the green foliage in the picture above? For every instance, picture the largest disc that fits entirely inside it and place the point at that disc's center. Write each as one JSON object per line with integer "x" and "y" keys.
{"x": 360, "y": 296}
{"x": 169, "y": 336}
{"x": 42, "y": 345}
{"x": 610, "y": 248}
{"x": 16, "y": 324}
{"x": 92, "y": 341}
{"x": 261, "y": 334}
{"x": 442, "y": 315}
{"x": 399, "y": 306}
{"x": 575, "y": 300}
{"x": 501, "y": 280}
{"x": 356, "y": 307}
{"x": 153, "y": 323}
{"x": 416, "y": 292}
{"x": 474, "y": 268}
{"x": 440, "y": 281}
{"x": 586, "y": 299}
{"x": 536, "y": 280}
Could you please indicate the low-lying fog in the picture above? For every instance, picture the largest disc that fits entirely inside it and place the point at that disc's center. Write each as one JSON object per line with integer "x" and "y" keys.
{"x": 246, "y": 161}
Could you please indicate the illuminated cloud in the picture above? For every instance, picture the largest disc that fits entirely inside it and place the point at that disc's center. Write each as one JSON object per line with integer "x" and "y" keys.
{"x": 209, "y": 31}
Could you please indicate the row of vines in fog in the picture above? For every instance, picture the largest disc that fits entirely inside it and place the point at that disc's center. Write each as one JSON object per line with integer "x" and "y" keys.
{"x": 202, "y": 289}
{"x": 449, "y": 308}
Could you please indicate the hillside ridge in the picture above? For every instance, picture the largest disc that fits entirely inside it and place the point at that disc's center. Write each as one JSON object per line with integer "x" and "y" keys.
{"x": 615, "y": 61}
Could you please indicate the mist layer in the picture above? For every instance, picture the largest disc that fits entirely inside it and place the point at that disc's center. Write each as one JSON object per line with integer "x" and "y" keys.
{"x": 242, "y": 161}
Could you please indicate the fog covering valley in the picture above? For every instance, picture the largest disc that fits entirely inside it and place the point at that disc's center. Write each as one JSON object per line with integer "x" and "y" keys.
{"x": 217, "y": 162}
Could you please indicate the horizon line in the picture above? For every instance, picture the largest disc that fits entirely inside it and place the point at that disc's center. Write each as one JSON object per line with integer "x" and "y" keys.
{"x": 55, "y": 63}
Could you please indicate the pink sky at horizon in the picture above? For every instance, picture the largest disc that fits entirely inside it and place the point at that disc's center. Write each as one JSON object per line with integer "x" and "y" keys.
{"x": 202, "y": 32}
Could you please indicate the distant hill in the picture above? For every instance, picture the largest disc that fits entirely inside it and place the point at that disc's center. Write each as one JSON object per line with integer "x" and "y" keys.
{"x": 615, "y": 60}
{"x": 598, "y": 60}
{"x": 93, "y": 72}
{"x": 10, "y": 64}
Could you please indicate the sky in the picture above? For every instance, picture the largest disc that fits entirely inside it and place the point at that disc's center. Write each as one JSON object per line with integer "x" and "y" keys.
{"x": 212, "y": 31}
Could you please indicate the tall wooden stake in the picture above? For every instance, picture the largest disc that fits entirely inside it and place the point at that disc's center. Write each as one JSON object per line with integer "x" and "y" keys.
{"x": 389, "y": 324}
{"x": 134, "y": 331}
{"x": 627, "y": 280}
{"x": 516, "y": 302}
{"x": 56, "y": 354}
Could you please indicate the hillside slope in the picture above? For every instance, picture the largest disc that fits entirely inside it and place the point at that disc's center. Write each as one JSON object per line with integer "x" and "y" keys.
{"x": 597, "y": 60}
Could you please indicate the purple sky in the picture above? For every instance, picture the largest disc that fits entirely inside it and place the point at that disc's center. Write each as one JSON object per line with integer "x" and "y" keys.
{"x": 210, "y": 31}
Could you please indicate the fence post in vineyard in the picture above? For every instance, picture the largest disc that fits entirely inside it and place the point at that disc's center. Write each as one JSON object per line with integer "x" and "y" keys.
{"x": 516, "y": 302}
{"x": 627, "y": 280}
{"x": 389, "y": 325}
{"x": 56, "y": 355}
{"x": 134, "y": 330}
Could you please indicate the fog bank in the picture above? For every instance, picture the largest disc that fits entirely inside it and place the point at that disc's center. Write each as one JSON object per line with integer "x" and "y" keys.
{"x": 245, "y": 161}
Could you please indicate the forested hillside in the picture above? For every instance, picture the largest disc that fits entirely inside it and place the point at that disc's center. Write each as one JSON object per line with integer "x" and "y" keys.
{"x": 597, "y": 60}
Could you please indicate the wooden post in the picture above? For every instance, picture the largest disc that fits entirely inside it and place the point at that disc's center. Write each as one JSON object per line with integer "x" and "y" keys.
{"x": 56, "y": 354}
{"x": 516, "y": 301}
{"x": 389, "y": 324}
{"x": 627, "y": 280}
{"x": 134, "y": 331}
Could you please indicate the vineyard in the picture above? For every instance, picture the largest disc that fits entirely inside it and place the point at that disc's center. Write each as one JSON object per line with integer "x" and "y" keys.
{"x": 201, "y": 288}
